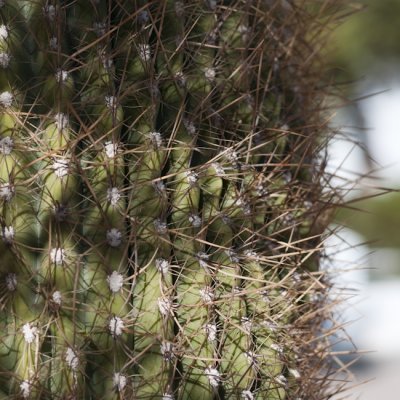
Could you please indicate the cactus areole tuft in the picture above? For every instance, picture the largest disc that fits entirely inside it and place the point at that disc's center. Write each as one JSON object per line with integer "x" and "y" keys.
{"x": 160, "y": 200}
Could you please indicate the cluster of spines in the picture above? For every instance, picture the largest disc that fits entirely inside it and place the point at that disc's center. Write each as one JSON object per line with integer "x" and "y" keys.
{"x": 151, "y": 224}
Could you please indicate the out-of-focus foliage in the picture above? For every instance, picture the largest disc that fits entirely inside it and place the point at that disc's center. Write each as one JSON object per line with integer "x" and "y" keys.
{"x": 377, "y": 219}
{"x": 369, "y": 41}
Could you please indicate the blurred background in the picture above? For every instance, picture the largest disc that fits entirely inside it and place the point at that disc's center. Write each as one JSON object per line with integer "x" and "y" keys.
{"x": 364, "y": 157}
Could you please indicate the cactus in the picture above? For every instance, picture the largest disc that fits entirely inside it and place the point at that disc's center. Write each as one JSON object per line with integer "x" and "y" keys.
{"x": 159, "y": 193}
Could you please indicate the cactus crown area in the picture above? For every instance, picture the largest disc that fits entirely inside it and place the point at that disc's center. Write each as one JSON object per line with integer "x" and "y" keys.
{"x": 161, "y": 200}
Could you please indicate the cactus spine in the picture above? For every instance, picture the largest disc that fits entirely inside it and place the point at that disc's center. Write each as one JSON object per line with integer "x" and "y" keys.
{"x": 158, "y": 191}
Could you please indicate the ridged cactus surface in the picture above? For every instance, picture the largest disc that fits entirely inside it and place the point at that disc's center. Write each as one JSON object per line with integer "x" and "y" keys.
{"x": 160, "y": 189}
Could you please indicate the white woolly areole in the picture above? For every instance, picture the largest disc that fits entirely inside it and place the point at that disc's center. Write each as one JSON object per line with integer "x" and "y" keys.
{"x": 294, "y": 373}
{"x": 195, "y": 220}
{"x": 247, "y": 324}
{"x": 115, "y": 281}
{"x": 203, "y": 258}
{"x": 251, "y": 357}
{"x": 111, "y": 149}
{"x": 156, "y": 139}
{"x": 111, "y": 102}
{"x": 53, "y": 43}
{"x": 113, "y": 196}
{"x": 167, "y": 351}
{"x": 114, "y": 237}
{"x": 119, "y": 381}
{"x": 211, "y": 332}
{"x": 3, "y": 32}
{"x": 61, "y": 76}
{"x": 60, "y": 167}
{"x": 11, "y": 281}
{"x": 6, "y": 99}
{"x": 144, "y": 51}
{"x": 207, "y": 294}
{"x": 219, "y": 170}
{"x": 161, "y": 227}
{"x": 7, "y": 191}
{"x": 247, "y": 395}
{"x": 71, "y": 359}
{"x": 159, "y": 187}
{"x": 50, "y": 11}
{"x": 276, "y": 348}
{"x": 162, "y": 265}
{"x": 232, "y": 255}
{"x": 191, "y": 177}
{"x": 99, "y": 28}
{"x": 57, "y": 297}
{"x": 6, "y": 145}
{"x": 210, "y": 73}
{"x": 30, "y": 332}
{"x": 213, "y": 376}
{"x": 164, "y": 306}
{"x": 5, "y": 59}
{"x": 281, "y": 380}
{"x": 57, "y": 256}
{"x": 107, "y": 62}
{"x": 168, "y": 397}
{"x": 116, "y": 325}
{"x": 61, "y": 120}
{"x": 25, "y": 387}
{"x": 190, "y": 127}
{"x": 7, "y": 234}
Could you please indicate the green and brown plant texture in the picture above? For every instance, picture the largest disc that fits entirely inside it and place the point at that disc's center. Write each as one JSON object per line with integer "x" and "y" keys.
{"x": 161, "y": 200}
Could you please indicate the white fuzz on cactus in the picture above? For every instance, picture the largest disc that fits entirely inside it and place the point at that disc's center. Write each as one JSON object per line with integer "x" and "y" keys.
{"x": 168, "y": 397}
{"x": 71, "y": 359}
{"x": 207, "y": 294}
{"x": 162, "y": 265}
{"x": 5, "y": 59}
{"x": 167, "y": 351}
{"x": 60, "y": 167}
{"x": 62, "y": 121}
{"x": 191, "y": 177}
{"x": 53, "y": 43}
{"x": 3, "y": 32}
{"x": 57, "y": 297}
{"x": 247, "y": 395}
{"x": 161, "y": 226}
{"x": 25, "y": 387}
{"x": 164, "y": 306}
{"x": 144, "y": 52}
{"x": 210, "y": 74}
{"x": 100, "y": 28}
{"x": 156, "y": 139}
{"x": 281, "y": 380}
{"x": 111, "y": 149}
{"x": 115, "y": 281}
{"x": 213, "y": 375}
{"x": 50, "y": 11}
{"x": 111, "y": 102}
{"x": 6, "y": 99}
{"x": 7, "y": 192}
{"x": 30, "y": 332}
{"x": 57, "y": 256}
{"x": 116, "y": 326}
{"x": 7, "y": 234}
{"x": 114, "y": 237}
{"x": 113, "y": 196}
{"x": 295, "y": 373}
{"x": 211, "y": 332}
{"x": 119, "y": 381}
{"x": 61, "y": 76}
{"x": 11, "y": 281}
{"x": 195, "y": 220}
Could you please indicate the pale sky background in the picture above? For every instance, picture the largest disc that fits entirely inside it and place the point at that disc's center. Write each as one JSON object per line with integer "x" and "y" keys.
{"x": 374, "y": 306}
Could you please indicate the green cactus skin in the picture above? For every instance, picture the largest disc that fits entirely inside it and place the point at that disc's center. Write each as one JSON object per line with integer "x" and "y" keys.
{"x": 157, "y": 219}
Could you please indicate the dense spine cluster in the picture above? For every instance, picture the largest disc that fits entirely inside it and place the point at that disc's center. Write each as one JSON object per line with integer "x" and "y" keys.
{"x": 159, "y": 200}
